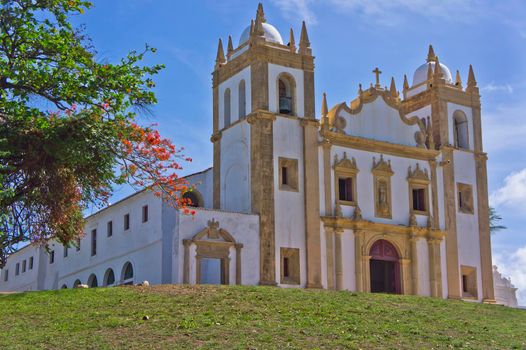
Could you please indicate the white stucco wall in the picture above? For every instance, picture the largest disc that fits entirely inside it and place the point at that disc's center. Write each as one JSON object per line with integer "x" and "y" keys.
{"x": 233, "y": 84}
{"x": 289, "y": 205}
{"x": 467, "y": 224}
{"x": 243, "y": 227}
{"x": 235, "y": 168}
{"x": 273, "y": 72}
{"x": 348, "y": 261}
{"x": 423, "y": 267}
{"x": 378, "y": 121}
{"x": 25, "y": 281}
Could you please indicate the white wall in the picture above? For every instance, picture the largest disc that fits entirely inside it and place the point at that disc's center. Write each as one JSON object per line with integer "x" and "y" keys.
{"x": 378, "y": 121}
{"x": 423, "y": 267}
{"x": 289, "y": 206}
{"x": 273, "y": 72}
{"x": 235, "y": 169}
{"x": 233, "y": 84}
{"x": 25, "y": 281}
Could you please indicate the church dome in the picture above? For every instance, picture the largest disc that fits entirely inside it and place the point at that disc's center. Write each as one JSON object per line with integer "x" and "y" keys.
{"x": 420, "y": 75}
{"x": 271, "y": 34}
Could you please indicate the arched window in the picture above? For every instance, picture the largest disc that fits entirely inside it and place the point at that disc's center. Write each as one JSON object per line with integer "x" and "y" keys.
{"x": 194, "y": 199}
{"x": 64, "y": 287}
{"x": 460, "y": 130}
{"x": 92, "y": 281}
{"x": 227, "y": 108}
{"x": 286, "y": 94}
{"x": 127, "y": 274}
{"x": 109, "y": 278}
{"x": 77, "y": 283}
{"x": 242, "y": 100}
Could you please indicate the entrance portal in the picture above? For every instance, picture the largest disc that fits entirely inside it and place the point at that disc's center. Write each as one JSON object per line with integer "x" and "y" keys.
{"x": 384, "y": 268}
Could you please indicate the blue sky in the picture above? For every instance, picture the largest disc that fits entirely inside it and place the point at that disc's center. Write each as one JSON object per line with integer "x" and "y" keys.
{"x": 349, "y": 38}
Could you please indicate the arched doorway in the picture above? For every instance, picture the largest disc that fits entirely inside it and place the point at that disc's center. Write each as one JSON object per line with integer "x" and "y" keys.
{"x": 385, "y": 268}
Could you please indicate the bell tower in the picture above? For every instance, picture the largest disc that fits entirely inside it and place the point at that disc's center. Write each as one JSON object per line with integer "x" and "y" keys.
{"x": 265, "y": 147}
{"x": 453, "y": 117}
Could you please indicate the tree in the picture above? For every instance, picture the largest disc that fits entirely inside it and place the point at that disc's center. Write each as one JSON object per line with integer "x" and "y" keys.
{"x": 67, "y": 123}
{"x": 494, "y": 221}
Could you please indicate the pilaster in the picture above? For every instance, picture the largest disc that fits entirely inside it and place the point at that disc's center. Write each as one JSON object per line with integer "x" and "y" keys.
{"x": 339, "y": 258}
{"x": 329, "y": 249}
{"x": 414, "y": 265}
{"x": 358, "y": 242}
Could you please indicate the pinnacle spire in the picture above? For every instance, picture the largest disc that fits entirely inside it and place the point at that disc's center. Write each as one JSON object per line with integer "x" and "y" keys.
{"x": 429, "y": 72}
{"x": 472, "y": 83}
{"x": 392, "y": 88}
{"x": 230, "y": 45}
{"x": 251, "y": 27}
{"x": 431, "y": 54}
{"x": 324, "y": 108}
{"x": 438, "y": 70}
{"x": 220, "y": 58}
{"x": 458, "y": 80}
{"x": 258, "y": 26}
{"x": 406, "y": 84}
{"x": 304, "y": 41}
{"x": 292, "y": 41}
{"x": 260, "y": 13}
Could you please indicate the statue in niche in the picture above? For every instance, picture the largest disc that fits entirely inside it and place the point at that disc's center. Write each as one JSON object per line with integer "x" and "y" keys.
{"x": 383, "y": 198}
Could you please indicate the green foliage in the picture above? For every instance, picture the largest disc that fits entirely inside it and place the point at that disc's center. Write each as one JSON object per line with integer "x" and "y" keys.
{"x": 212, "y": 317}
{"x": 63, "y": 118}
{"x": 494, "y": 221}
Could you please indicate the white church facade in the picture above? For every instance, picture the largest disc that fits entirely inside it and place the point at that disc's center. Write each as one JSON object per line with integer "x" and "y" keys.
{"x": 387, "y": 193}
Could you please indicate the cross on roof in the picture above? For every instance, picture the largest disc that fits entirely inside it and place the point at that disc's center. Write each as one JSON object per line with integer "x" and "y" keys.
{"x": 377, "y": 72}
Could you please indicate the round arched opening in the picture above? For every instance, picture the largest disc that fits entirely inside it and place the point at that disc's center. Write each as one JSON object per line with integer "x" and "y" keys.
{"x": 286, "y": 94}
{"x": 77, "y": 283}
{"x": 384, "y": 268}
{"x": 109, "y": 278}
{"x": 127, "y": 274}
{"x": 64, "y": 287}
{"x": 92, "y": 281}
{"x": 193, "y": 199}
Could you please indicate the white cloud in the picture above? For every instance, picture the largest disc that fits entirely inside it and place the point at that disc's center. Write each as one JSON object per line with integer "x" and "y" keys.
{"x": 514, "y": 266}
{"x": 492, "y": 87}
{"x": 513, "y": 192}
{"x": 385, "y": 12}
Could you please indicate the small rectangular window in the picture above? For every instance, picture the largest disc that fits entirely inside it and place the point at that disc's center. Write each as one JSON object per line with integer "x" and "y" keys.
{"x": 93, "y": 242}
{"x": 464, "y": 283}
{"x": 419, "y": 199}
{"x": 286, "y": 272}
{"x": 284, "y": 179}
{"x": 17, "y": 269}
{"x": 345, "y": 189}
{"x": 288, "y": 174}
{"x": 65, "y": 251}
{"x": 110, "y": 228}
{"x": 31, "y": 263}
{"x": 465, "y": 198}
{"x": 290, "y": 265}
{"x": 24, "y": 266}
{"x": 52, "y": 257}
{"x": 127, "y": 222}
{"x": 6, "y": 275}
{"x": 145, "y": 213}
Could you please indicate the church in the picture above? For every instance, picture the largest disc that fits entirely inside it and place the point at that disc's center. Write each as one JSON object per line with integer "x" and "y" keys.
{"x": 387, "y": 193}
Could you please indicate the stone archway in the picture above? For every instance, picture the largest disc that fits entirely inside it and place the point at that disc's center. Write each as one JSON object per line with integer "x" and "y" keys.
{"x": 384, "y": 266}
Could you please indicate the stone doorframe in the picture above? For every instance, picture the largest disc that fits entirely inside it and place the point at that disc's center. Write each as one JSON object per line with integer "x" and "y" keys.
{"x": 213, "y": 243}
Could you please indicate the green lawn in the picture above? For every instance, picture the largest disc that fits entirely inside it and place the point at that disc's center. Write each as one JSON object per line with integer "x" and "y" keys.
{"x": 183, "y": 317}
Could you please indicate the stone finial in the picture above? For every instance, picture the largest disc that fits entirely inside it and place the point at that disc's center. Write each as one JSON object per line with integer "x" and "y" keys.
{"x": 220, "y": 58}
{"x": 392, "y": 88}
{"x": 260, "y": 13}
{"x": 438, "y": 70}
{"x": 230, "y": 46}
{"x": 324, "y": 108}
{"x": 406, "y": 84}
{"x": 304, "y": 41}
{"x": 458, "y": 80}
{"x": 251, "y": 27}
{"x": 357, "y": 215}
{"x": 292, "y": 41}
{"x": 258, "y": 27}
{"x": 429, "y": 72}
{"x": 377, "y": 73}
{"x": 472, "y": 83}
{"x": 412, "y": 220}
{"x": 360, "y": 90}
{"x": 431, "y": 57}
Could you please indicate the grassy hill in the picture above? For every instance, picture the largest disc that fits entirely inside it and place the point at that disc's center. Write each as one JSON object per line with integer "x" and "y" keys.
{"x": 183, "y": 317}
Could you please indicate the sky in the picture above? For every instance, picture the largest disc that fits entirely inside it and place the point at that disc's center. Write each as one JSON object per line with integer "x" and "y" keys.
{"x": 349, "y": 39}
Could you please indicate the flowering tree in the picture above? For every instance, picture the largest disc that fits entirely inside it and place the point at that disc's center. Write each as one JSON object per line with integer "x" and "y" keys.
{"x": 67, "y": 123}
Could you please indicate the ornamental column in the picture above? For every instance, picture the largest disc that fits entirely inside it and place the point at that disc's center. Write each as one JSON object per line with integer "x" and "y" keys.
{"x": 339, "y": 259}
{"x": 414, "y": 264}
{"x": 329, "y": 248}
{"x": 358, "y": 264}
